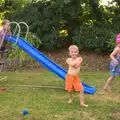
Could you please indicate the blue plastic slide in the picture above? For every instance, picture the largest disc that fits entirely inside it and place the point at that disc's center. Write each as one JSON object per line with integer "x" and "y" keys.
{"x": 45, "y": 61}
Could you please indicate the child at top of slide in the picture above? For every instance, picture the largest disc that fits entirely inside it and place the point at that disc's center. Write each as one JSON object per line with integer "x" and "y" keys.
{"x": 4, "y": 31}
{"x": 114, "y": 64}
{"x": 72, "y": 78}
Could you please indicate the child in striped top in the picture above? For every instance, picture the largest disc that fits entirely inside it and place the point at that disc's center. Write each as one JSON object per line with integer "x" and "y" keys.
{"x": 4, "y": 31}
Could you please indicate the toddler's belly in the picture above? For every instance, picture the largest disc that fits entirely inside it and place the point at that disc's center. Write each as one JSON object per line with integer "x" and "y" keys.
{"x": 73, "y": 72}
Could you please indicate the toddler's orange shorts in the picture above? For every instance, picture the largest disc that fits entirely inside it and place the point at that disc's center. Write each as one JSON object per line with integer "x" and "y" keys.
{"x": 73, "y": 83}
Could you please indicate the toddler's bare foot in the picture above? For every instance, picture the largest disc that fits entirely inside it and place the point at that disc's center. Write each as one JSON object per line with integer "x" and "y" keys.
{"x": 70, "y": 101}
{"x": 83, "y": 105}
{"x": 107, "y": 89}
{"x": 110, "y": 88}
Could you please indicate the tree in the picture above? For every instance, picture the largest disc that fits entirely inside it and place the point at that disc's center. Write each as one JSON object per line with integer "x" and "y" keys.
{"x": 77, "y": 17}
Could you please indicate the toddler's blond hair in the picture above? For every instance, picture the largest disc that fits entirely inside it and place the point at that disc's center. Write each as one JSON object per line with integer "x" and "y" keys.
{"x": 5, "y": 22}
{"x": 73, "y": 47}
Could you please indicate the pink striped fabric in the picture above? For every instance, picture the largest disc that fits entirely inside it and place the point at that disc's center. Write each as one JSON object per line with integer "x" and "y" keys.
{"x": 3, "y": 33}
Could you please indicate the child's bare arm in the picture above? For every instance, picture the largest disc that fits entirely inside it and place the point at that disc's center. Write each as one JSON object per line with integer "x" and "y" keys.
{"x": 70, "y": 62}
{"x": 9, "y": 31}
{"x": 80, "y": 59}
{"x": 79, "y": 62}
{"x": 112, "y": 55}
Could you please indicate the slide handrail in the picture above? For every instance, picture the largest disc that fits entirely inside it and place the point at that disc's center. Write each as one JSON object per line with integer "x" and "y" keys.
{"x": 26, "y": 31}
{"x": 19, "y": 30}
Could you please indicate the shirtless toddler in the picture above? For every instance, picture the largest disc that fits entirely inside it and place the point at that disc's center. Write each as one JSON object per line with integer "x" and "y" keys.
{"x": 72, "y": 78}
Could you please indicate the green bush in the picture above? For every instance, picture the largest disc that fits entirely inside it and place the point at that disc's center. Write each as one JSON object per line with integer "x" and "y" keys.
{"x": 91, "y": 37}
{"x": 111, "y": 42}
{"x": 15, "y": 52}
{"x": 43, "y": 20}
{"x": 89, "y": 25}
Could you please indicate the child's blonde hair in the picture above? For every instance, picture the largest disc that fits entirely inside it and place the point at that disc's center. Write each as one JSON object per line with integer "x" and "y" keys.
{"x": 4, "y": 22}
{"x": 73, "y": 47}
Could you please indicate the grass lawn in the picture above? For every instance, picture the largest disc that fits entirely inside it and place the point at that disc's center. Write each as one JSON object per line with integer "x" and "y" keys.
{"x": 51, "y": 104}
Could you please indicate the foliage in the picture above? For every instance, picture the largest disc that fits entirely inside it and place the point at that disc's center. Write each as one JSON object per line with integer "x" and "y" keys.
{"x": 89, "y": 24}
{"x": 91, "y": 37}
{"x": 7, "y": 7}
{"x": 1, "y": 16}
{"x": 112, "y": 43}
{"x": 15, "y": 52}
{"x": 63, "y": 33}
